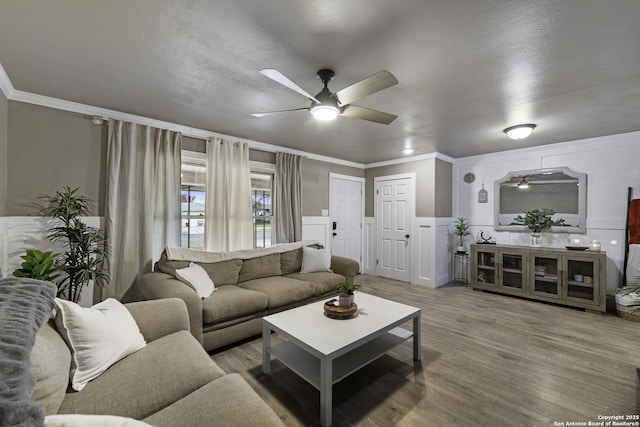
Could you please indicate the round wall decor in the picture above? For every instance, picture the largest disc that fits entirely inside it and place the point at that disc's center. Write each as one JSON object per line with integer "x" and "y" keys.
{"x": 469, "y": 177}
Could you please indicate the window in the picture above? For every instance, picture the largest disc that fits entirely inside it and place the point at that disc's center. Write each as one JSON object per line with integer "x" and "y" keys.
{"x": 261, "y": 197}
{"x": 192, "y": 199}
{"x": 193, "y": 196}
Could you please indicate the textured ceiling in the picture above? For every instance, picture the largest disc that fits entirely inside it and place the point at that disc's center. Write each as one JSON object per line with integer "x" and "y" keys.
{"x": 467, "y": 69}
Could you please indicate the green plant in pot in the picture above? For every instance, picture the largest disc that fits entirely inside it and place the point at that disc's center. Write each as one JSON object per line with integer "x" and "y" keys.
{"x": 85, "y": 248}
{"x": 38, "y": 265}
{"x": 346, "y": 290}
{"x": 461, "y": 229}
{"x": 538, "y": 220}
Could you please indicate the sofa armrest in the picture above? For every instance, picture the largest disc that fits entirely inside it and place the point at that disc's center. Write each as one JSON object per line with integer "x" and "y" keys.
{"x": 160, "y": 286}
{"x": 159, "y": 317}
{"x": 345, "y": 266}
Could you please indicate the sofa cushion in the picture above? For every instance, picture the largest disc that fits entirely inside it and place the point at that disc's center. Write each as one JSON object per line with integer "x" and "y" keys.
{"x": 280, "y": 290}
{"x": 232, "y": 301}
{"x": 264, "y": 266}
{"x": 50, "y": 365}
{"x": 79, "y": 420}
{"x": 321, "y": 282}
{"x": 165, "y": 371}
{"x": 228, "y": 401}
{"x": 291, "y": 261}
{"x": 222, "y": 272}
{"x": 98, "y": 337}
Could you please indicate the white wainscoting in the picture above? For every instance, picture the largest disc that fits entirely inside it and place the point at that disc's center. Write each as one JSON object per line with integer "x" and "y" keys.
{"x": 430, "y": 250}
{"x": 317, "y": 228}
{"x": 19, "y": 233}
{"x": 369, "y": 246}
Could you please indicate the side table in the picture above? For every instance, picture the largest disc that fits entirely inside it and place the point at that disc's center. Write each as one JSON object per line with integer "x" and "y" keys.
{"x": 461, "y": 268}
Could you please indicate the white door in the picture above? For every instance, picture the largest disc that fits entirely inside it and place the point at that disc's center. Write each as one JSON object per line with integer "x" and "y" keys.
{"x": 346, "y": 212}
{"x": 394, "y": 211}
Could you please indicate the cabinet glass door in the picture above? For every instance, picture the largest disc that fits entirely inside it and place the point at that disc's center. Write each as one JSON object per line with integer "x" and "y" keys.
{"x": 486, "y": 272}
{"x": 581, "y": 275}
{"x": 512, "y": 276}
{"x": 546, "y": 276}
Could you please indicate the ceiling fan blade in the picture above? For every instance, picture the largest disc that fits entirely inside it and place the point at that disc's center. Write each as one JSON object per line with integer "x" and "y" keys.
{"x": 277, "y": 76}
{"x": 267, "y": 113}
{"x": 372, "y": 84}
{"x": 363, "y": 113}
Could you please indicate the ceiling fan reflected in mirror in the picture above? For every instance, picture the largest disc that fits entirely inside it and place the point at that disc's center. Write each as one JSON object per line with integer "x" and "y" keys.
{"x": 327, "y": 105}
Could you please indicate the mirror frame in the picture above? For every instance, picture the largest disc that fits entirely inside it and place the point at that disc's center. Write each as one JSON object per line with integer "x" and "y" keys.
{"x": 582, "y": 200}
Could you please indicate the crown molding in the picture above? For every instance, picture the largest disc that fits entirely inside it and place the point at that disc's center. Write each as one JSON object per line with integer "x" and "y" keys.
{"x": 434, "y": 155}
{"x": 89, "y": 110}
{"x": 5, "y": 83}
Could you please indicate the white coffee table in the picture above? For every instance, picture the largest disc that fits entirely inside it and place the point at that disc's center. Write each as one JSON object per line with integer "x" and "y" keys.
{"x": 323, "y": 351}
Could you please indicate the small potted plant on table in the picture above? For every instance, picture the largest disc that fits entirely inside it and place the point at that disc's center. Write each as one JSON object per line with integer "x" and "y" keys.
{"x": 345, "y": 292}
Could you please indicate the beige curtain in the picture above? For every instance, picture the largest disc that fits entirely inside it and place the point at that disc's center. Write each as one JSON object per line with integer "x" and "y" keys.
{"x": 228, "y": 222}
{"x": 288, "y": 198}
{"x": 142, "y": 207}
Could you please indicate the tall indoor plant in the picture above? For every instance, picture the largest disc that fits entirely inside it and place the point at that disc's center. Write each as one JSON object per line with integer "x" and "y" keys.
{"x": 85, "y": 248}
{"x": 538, "y": 220}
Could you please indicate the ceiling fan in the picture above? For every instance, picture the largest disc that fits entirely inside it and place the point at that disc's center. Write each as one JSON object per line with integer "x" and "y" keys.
{"x": 327, "y": 105}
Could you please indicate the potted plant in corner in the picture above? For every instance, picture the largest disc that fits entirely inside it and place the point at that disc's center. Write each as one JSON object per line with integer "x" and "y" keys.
{"x": 538, "y": 220}
{"x": 85, "y": 248}
{"x": 345, "y": 292}
{"x": 461, "y": 230}
{"x": 38, "y": 265}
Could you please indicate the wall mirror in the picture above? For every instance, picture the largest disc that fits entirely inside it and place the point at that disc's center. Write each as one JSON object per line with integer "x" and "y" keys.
{"x": 560, "y": 189}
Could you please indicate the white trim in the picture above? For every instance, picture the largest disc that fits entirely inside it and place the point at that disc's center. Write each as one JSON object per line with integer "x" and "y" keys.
{"x": 362, "y": 187}
{"x": 434, "y": 155}
{"x": 345, "y": 177}
{"x": 5, "y": 84}
{"x": 75, "y": 107}
{"x": 262, "y": 167}
{"x": 568, "y": 147}
{"x": 412, "y": 208}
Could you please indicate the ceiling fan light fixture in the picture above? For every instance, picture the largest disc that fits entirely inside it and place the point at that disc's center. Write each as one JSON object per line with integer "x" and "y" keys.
{"x": 519, "y": 131}
{"x": 325, "y": 112}
{"x": 524, "y": 184}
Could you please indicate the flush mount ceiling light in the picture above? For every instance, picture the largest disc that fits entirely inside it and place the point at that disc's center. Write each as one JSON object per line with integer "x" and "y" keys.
{"x": 519, "y": 131}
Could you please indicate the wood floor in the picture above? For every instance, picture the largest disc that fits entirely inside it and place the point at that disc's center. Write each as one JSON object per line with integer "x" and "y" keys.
{"x": 487, "y": 360}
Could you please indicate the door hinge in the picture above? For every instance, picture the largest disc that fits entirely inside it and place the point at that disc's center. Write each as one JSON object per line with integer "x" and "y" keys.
{"x": 376, "y": 262}
{"x": 377, "y": 191}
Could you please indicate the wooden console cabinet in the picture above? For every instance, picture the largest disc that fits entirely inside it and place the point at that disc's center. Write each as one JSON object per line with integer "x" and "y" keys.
{"x": 573, "y": 278}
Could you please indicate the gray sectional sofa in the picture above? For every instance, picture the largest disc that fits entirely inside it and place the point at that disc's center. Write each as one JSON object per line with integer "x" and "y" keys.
{"x": 249, "y": 285}
{"x": 170, "y": 382}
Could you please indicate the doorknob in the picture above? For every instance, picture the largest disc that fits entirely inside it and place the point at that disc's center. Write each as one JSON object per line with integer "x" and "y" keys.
{"x": 335, "y": 234}
{"x": 406, "y": 236}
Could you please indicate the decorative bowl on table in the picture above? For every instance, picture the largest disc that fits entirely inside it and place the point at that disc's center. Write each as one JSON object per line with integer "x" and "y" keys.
{"x": 340, "y": 313}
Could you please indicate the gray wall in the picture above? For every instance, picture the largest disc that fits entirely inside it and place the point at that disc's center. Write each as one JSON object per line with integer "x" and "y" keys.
{"x": 49, "y": 149}
{"x": 444, "y": 189}
{"x": 315, "y": 184}
{"x": 52, "y": 148}
{"x": 4, "y": 113}
{"x": 433, "y": 186}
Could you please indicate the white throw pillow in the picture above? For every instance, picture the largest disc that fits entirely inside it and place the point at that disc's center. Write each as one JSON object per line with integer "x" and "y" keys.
{"x": 77, "y": 420}
{"x": 98, "y": 337}
{"x": 315, "y": 260}
{"x": 197, "y": 278}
